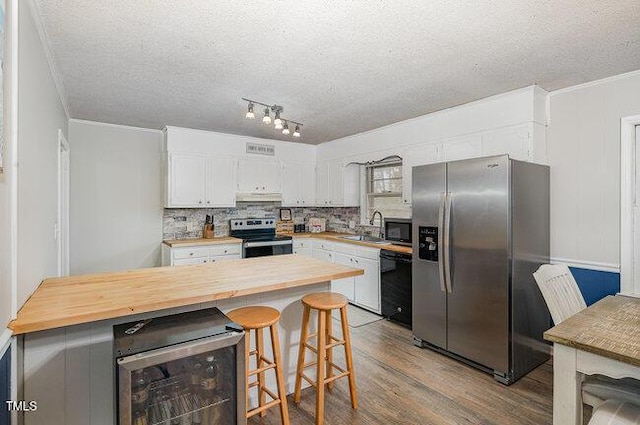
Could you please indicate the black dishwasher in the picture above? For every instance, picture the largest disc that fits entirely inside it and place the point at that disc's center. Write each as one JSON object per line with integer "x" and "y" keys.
{"x": 395, "y": 286}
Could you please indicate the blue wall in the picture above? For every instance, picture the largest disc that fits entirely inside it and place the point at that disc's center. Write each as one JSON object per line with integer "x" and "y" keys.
{"x": 595, "y": 284}
{"x": 5, "y": 381}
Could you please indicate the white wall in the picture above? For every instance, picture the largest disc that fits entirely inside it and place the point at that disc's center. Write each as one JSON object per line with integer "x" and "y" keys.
{"x": 189, "y": 140}
{"x": 40, "y": 115}
{"x": 7, "y": 178}
{"x": 116, "y": 197}
{"x": 584, "y": 154}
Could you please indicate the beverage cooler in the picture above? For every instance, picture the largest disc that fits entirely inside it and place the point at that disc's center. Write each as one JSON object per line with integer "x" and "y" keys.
{"x": 182, "y": 369}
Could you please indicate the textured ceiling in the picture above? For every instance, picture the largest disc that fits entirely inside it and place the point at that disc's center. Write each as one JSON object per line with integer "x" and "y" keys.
{"x": 340, "y": 67}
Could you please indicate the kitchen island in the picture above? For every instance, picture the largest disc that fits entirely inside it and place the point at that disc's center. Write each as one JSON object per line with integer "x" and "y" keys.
{"x": 66, "y": 338}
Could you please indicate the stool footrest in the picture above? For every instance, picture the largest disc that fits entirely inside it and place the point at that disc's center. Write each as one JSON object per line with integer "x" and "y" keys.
{"x": 334, "y": 377}
{"x": 334, "y": 344}
{"x": 310, "y": 347}
{"x": 262, "y": 369}
{"x": 309, "y": 380}
{"x": 262, "y": 408}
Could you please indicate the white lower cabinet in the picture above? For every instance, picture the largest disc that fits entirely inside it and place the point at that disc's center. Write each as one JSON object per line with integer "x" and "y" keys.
{"x": 364, "y": 290}
{"x": 367, "y": 286}
{"x": 302, "y": 247}
{"x": 202, "y": 254}
{"x": 344, "y": 286}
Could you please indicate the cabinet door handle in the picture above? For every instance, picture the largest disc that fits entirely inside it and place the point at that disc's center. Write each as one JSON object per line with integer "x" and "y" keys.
{"x": 262, "y": 187}
{"x": 204, "y": 261}
{"x": 208, "y": 202}
{"x": 225, "y": 251}
{"x": 191, "y": 253}
{"x": 200, "y": 202}
{"x": 213, "y": 261}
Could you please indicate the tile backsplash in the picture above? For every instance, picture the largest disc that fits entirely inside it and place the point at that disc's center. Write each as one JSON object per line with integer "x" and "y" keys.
{"x": 188, "y": 223}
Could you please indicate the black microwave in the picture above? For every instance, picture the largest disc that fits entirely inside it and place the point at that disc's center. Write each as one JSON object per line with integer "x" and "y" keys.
{"x": 398, "y": 230}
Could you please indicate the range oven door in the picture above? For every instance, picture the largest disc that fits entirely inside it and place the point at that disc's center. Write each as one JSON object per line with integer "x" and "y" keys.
{"x": 263, "y": 248}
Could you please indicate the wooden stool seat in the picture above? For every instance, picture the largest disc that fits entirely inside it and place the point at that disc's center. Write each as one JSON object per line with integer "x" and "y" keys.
{"x": 254, "y": 317}
{"x": 325, "y": 300}
{"x": 326, "y": 369}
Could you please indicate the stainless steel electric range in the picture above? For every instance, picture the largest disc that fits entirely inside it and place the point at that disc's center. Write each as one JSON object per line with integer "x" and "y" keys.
{"x": 259, "y": 237}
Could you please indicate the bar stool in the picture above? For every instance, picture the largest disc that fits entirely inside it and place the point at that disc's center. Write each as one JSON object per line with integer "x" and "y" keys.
{"x": 257, "y": 318}
{"x": 324, "y": 302}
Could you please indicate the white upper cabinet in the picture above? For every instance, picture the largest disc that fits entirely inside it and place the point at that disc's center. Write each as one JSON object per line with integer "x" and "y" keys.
{"x": 412, "y": 157}
{"x": 462, "y": 148}
{"x": 259, "y": 176}
{"x": 220, "y": 182}
{"x": 515, "y": 141}
{"x": 298, "y": 184}
{"x": 308, "y": 180}
{"x": 187, "y": 180}
{"x": 199, "y": 181}
{"x": 337, "y": 185}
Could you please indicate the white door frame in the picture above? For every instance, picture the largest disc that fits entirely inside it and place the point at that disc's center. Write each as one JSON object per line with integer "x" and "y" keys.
{"x": 63, "y": 205}
{"x": 627, "y": 201}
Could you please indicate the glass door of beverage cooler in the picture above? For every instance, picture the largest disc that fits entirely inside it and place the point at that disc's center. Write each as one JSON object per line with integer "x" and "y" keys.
{"x": 199, "y": 382}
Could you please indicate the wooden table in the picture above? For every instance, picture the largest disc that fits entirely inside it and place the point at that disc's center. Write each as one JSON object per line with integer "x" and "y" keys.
{"x": 602, "y": 339}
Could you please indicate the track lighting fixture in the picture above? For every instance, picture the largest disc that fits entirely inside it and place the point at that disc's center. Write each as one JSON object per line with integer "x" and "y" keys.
{"x": 279, "y": 122}
{"x": 267, "y": 117}
{"x": 250, "y": 113}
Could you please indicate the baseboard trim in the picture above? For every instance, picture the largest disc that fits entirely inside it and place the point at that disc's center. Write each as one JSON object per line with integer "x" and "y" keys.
{"x": 604, "y": 267}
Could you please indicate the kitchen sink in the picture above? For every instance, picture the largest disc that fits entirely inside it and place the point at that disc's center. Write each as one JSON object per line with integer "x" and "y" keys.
{"x": 364, "y": 238}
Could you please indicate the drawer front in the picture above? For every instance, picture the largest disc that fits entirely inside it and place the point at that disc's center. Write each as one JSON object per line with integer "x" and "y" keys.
{"x": 184, "y": 261}
{"x": 345, "y": 248}
{"x": 227, "y": 249}
{"x": 217, "y": 258}
{"x": 301, "y": 243}
{"x": 186, "y": 253}
{"x": 327, "y": 246}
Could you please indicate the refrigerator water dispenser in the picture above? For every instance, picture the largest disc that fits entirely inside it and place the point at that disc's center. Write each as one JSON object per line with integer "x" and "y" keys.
{"x": 428, "y": 243}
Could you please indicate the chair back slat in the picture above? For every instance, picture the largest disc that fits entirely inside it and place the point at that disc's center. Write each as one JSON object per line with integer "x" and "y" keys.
{"x": 560, "y": 291}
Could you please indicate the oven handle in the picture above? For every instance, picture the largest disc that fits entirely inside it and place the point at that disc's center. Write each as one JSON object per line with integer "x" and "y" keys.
{"x": 268, "y": 243}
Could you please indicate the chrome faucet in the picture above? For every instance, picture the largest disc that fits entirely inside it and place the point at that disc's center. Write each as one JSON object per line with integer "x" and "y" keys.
{"x": 373, "y": 216}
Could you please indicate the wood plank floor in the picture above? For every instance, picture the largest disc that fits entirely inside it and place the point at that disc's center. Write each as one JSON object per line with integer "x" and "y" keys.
{"x": 399, "y": 383}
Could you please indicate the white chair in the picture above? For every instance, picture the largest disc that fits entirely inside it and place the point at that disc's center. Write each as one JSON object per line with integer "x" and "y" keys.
{"x": 564, "y": 299}
{"x": 616, "y": 412}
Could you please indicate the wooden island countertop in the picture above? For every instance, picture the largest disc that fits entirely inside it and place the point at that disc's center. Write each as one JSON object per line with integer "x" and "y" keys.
{"x": 73, "y": 300}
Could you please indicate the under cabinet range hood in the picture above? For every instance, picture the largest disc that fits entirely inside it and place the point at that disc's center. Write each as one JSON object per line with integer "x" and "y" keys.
{"x": 258, "y": 197}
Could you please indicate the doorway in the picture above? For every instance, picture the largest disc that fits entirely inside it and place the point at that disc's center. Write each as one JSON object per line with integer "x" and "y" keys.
{"x": 630, "y": 205}
{"x": 62, "y": 227}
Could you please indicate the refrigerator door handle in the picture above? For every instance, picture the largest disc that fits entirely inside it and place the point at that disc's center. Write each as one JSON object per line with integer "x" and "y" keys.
{"x": 443, "y": 284}
{"x": 447, "y": 242}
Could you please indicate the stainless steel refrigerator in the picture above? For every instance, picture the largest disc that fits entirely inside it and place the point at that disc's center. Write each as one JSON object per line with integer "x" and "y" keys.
{"x": 480, "y": 229}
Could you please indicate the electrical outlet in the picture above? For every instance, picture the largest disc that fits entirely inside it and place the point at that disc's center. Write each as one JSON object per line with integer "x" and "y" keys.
{"x": 192, "y": 227}
{"x": 352, "y": 224}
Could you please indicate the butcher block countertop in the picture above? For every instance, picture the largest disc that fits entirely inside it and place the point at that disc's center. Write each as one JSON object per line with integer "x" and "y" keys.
{"x": 176, "y": 243}
{"x": 74, "y": 300}
{"x": 332, "y": 236}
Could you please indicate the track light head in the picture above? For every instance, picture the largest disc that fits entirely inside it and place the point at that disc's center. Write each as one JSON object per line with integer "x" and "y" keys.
{"x": 250, "y": 113}
{"x": 277, "y": 121}
{"x": 267, "y": 117}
